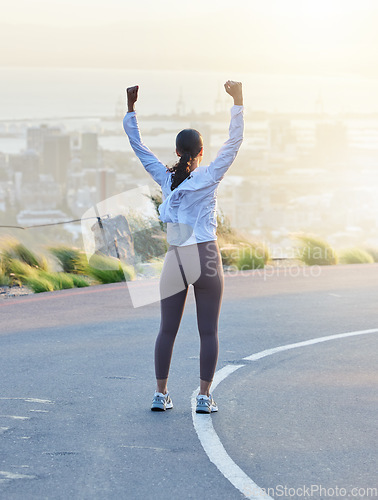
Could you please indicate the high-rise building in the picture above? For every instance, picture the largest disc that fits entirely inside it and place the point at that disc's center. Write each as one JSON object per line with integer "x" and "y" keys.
{"x": 27, "y": 164}
{"x": 3, "y": 167}
{"x": 35, "y": 136}
{"x": 56, "y": 157}
{"x": 105, "y": 184}
{"x": 89, "y": 149}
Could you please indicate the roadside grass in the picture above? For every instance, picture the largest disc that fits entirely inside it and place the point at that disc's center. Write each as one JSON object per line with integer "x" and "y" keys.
{"x": 59, "y": 281}
{"x": 22, "y": 266}
{"x": 238, "y": 250}
{"x": 39, "y": 284}
{"x": 315, "y": 251}
{"x": 252, "y": 257}
{"x": 79, "y": 281}
{"x": 5, "y": 279}
{"x": 14, "y": 249}
{"x": 20, "y": 272}
{"x": 71, "y": 260}
{"x": 245, "y": 256}
{"x": 106, "y": 269}
{"x": 44, "y": 281}
{"x": 355, "y": 256}
{"x": 373, "y": 252}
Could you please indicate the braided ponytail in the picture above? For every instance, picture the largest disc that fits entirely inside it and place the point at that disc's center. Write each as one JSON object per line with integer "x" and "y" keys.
{"x": 188, "y": 143}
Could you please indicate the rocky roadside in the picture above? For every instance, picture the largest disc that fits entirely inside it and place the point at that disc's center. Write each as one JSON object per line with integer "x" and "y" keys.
{"x": 7, "y": 292}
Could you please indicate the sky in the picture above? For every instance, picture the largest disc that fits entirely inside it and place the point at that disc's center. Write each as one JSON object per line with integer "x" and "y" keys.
{"x": 320, "y": 37}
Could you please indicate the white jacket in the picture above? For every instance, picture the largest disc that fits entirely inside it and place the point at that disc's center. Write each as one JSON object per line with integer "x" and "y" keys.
{"x": 190, "y": 210}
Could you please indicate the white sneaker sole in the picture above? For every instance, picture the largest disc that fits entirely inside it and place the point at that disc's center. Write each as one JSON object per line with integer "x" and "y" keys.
{"x": 161, "y": 407}
{"x": 206, "y": 409}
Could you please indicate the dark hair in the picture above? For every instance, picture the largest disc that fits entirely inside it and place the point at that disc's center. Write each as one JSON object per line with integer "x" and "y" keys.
{"x": 189, "y": 143}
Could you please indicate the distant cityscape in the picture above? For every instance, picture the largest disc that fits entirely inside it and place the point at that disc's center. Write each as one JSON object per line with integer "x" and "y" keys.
{"x": 310, "y": 172}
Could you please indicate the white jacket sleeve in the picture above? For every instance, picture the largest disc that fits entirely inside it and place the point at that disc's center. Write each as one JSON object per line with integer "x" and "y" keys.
{"x": 230, "y": 148}
{"x": 151, "y": 163}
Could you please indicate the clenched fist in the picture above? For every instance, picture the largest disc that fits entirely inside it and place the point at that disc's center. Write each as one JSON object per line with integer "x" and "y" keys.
{"x": 235, "y": 90}
{"x": 132, "y": 97}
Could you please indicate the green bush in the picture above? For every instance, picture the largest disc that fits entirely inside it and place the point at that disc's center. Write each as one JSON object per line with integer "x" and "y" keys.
{"x": 59, "y": 281}
{"x": 39, "y": 284}
{"x": 355, "y": 256}
{"x": 229, "y": 254}
{"x": 71, "y": 260}
{"x": 316, "y": 252}
{"x": 106, "y": 269}
{"x": 250, "y": 258}
{"x": 237, "y": 249}
{"x": 373, "y": 252}
{"x": 4, "y": 277}
{"x": 17, "y": 250}
{"x": 245, "y": 255}
{"x": 79, "y": 281}
{"x": 20, "y": 270}
{"x": 43, "y": 281}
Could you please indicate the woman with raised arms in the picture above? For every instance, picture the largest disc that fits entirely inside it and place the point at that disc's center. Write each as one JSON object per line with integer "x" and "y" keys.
{"x": 189, "y": 208}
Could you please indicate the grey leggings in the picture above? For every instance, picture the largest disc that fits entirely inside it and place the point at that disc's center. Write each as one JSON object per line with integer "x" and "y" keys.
{"x": 200, "y": 265}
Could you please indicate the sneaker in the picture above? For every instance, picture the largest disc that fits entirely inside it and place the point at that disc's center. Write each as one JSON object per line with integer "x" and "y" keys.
{"x": 206, "y": 404}
{"x": 161, "y": 402}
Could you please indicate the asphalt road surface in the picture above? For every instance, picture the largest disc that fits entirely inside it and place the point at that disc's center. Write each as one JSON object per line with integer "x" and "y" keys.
{"x": 77, "y": 379}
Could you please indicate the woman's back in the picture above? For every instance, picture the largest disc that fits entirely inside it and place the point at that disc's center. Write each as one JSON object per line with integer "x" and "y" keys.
{"x": 194, "y": 201}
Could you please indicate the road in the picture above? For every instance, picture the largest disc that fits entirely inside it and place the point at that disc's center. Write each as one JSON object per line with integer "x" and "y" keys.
{"x": 77, "y": 379}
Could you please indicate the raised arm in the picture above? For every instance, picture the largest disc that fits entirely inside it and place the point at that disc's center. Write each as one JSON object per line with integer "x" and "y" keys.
{"x": 151, "y": 163}
{"x": 230, "y": 148}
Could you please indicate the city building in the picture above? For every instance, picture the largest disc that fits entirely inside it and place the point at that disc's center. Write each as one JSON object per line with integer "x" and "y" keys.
{"x": 56, "y": 157}
{"x": 89, "y": 150}
{"x": 35, "y": 136}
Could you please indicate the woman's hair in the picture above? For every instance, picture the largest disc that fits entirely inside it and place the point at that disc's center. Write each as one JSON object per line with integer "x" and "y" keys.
{"x": 189, "y": 143}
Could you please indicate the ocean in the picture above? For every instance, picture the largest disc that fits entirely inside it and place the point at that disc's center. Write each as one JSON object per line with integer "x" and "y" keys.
{"x": 76, "y": 99}
{"x": 37, "y": 93}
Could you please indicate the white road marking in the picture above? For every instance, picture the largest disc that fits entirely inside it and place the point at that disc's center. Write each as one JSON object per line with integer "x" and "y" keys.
{"x": 209, "y": 439}
{"x": 15, "y": 417}
{"x": 3, "y": 429}
{"x": 6, "y": 476}
{"x": 144, "y": 447}
{"x": 32, "y": 400}
{"x": 214, "y": 448}
{"x": 269, "y": 352}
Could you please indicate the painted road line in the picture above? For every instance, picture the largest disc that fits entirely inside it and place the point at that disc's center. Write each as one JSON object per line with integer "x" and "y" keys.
{"x": 215, "y": 449}
{"x": 30, "y": 400}
{"x": 209, "y": 439}
{"x": 274, "y": 350}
